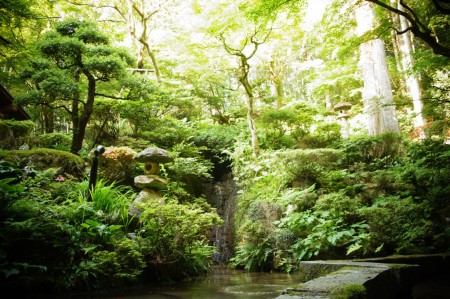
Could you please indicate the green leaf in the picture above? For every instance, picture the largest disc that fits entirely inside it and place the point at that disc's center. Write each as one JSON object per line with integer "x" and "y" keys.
{"x": 353, "y": 248}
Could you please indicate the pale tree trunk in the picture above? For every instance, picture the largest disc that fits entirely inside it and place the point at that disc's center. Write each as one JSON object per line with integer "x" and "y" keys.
{"x": 405, "y": 46}
{"x": 377, "y": 91}
{"x": 242, "y": 74}
{"x": 276, "y": 76}
{"x": 250, "y": 115}
{"x": 139, "y": 32}
{"x": 244, "y": 69}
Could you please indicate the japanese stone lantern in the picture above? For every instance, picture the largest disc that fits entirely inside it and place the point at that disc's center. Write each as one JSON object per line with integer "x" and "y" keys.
{"x": 150, "y": 182}
{"x": 342, "y": 108}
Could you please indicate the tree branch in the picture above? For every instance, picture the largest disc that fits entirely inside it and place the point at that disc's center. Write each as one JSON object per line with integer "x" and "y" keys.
{"x": 417, "y": 27}
{"x": 441, "y": 7}
{"x": 109, "y": 96}
{"x": 88, "y": 4}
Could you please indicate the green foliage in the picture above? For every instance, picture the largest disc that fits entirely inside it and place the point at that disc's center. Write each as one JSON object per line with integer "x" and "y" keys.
{"x": 374, "y": 151}
{"x": 253, "y": 257}
{"x": 41, "y": 159}
{"x": 330, "y": 227}
{"x": 164, "y": 132}
{"x": 426, "y": 170}
{"x": 276, "y": 124}
{"x": 112, "y": 200}
{"x": 374, "y": 196}
{"x": 325, "y": 135}
{"x": 256, "y": 250}
{"x": 21, "y": 132}
{"x": 90, "y": 246}
{"x": 398, "y": 225}
{"x": 136, "y": 144}
{"x": 174, "y": 233}
{"x": 307, "y": 167}
{"x": 19, "y": 128}
{"x": 189, "y": 169}
{"x": 216, "y": 138}
{"x": 57, "y": 141}
{"x": 123, "y": 265}
{"x": 117, "y": 164}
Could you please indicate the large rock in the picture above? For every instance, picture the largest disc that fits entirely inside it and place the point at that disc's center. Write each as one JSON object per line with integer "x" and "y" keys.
{"x": 146, "y": 196}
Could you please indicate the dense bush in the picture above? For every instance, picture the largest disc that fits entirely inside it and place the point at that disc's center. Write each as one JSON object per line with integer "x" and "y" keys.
{"x": 310, "y": 166}
{"x": 174, "y": 238}
{"x": 52, "y": 239}
{"x": 53, "y": 140}
{"x": 325, "y": 135}
{"x": 41, "y": 159}
{"x": 15, "y": 133}
{"x": 117, "y": 164}
{"x": 374, "y": 196}
{"x": 372, "y": 151}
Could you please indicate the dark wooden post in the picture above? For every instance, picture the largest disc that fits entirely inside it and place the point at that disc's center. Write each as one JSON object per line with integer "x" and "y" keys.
{"x": 93, "y": 174}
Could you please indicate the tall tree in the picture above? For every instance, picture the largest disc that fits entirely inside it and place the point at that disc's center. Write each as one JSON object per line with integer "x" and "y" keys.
{"x": 405, "y": 51}
{"x": 243, "y": 54}
{"x": 428, "y": 21}
{"x": 138, "y": 17}
{"x": 12, "y": 13}
{"x": 83, "y": 53}
{"x": 377, "y": 91}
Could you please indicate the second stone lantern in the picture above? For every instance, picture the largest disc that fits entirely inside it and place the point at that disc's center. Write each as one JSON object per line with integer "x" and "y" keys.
{"x": 342, "y": 108}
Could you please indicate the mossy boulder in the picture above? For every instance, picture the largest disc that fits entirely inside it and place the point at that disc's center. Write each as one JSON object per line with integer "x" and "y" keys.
{"x": 14, "y": 133}
{"x": 41, "y": 159}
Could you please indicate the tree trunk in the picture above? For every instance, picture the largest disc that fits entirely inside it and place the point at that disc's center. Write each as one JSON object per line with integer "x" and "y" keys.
{"x": 377, "y": 91}
{"x": 49, "y": 119}
{"x": 79, "y": 133}
{"x": 250, "y": 106}
{"x": 275, "y": 77}
{"x": 75, "y": 116}
{"x": 406, "y": 50}
{"x": 154, "y": 62}
{"x": 252, "y": 126}
{"x": 140, "y": 59}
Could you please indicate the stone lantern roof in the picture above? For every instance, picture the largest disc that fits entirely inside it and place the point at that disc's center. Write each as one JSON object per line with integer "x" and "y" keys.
{"x": 342, "y": 106}
{"x": 154, "y": 154}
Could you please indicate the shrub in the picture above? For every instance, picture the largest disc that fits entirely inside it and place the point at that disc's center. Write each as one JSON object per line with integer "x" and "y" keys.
{"x": 256, "y": 250}
{"x": 307, "y": 167}
{"x": 117, "y": 164}
{"x": 398, "y": 225}
{"x": 276, "y": 124}
{"x": 121, "y": 266}
{"x": 325, "y": 135}
{"x": 15, "y": 133}
{"x": 379, "y": 150}
{"x": 54, "y": 140}
{"x": 339, "y": 205}
{"x": 40, "y": 159}
{"x": 174, "y": 238}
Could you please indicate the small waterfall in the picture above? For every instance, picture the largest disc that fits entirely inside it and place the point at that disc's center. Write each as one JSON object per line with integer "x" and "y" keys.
{"x": 222, "y": 196}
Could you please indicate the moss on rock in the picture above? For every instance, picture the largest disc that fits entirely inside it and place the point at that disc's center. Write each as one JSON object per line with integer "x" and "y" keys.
{"x": 42, "y": 158}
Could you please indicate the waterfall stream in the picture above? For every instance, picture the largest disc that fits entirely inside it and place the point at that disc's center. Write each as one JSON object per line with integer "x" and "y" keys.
{"x": 222, "y": 196}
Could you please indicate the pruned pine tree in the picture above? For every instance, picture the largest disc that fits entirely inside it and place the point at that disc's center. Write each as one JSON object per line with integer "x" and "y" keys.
{"x": 84, "y": 55}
